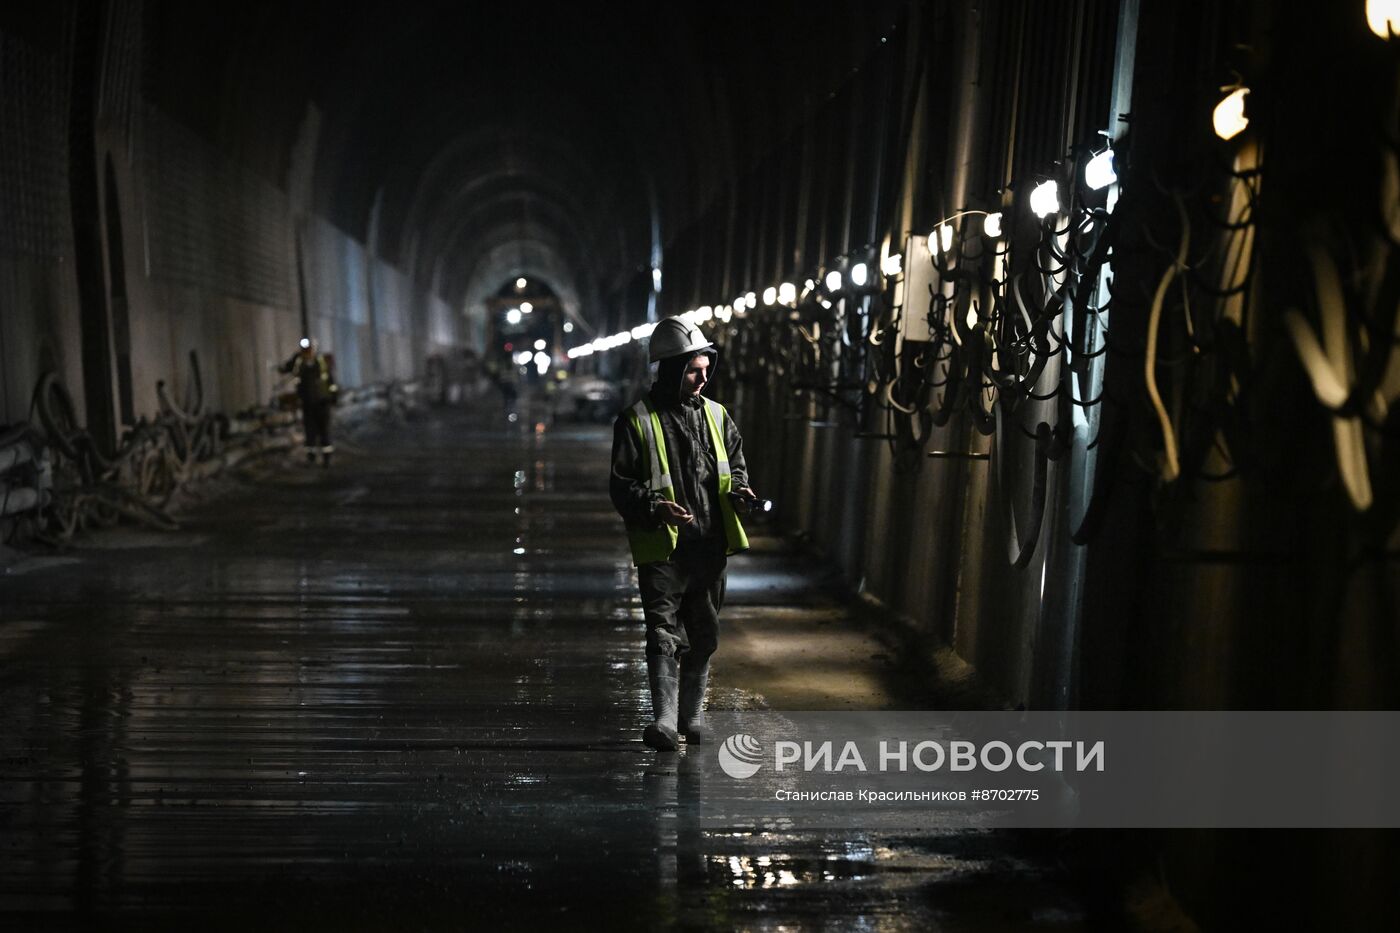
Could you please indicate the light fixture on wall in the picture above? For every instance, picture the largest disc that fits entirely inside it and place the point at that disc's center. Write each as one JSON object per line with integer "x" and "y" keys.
{"x": 1100, "y": 173}
{"x": 1229, "y": 118}
{"x": 1383, "y": 16}
{"x": 1045, "y": 198}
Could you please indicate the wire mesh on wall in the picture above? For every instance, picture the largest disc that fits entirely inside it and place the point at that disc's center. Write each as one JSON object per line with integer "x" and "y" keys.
{"x": 33, "y": 151}
{"x": 213, "y": 224}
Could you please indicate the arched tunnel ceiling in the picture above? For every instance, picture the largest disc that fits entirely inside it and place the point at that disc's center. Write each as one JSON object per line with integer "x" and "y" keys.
{"x": 571, "y": 127}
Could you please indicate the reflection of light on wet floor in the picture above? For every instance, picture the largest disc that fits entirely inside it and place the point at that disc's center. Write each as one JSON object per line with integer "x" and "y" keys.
{"x": 13, "y": 634}
{"x": 783, "y": 871}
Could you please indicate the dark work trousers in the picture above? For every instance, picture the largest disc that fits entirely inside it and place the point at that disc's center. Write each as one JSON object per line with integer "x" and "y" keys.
{"x": 681, "y": 599}
{"x": 316, "y": 419}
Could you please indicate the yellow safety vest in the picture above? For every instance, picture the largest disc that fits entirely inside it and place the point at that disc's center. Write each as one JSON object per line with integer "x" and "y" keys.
{"x": 652, "y": 545}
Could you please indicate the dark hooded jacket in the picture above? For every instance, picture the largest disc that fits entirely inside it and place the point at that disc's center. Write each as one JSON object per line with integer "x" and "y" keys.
{"x": 690, "y": 455}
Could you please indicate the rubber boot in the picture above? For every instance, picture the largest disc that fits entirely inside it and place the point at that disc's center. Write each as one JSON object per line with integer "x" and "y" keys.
{"x": 664, "y": 675}
{"x": 692, "y": 702}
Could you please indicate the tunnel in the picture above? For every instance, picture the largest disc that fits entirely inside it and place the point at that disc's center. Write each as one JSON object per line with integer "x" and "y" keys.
{"x": 640, "y": 465}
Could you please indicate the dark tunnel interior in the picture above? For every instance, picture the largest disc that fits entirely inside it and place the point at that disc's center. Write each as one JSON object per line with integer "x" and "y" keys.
{"x": 1057, "y": 342}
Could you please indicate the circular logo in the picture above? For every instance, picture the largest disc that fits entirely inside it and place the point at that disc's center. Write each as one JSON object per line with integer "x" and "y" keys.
{"x": 740, "y": 756}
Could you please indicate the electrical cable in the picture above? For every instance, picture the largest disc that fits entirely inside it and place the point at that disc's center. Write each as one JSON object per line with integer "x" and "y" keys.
{"x": 1171, "y": 467}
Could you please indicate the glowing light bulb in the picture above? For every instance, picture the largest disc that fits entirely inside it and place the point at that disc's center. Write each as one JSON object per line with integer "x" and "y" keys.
{"x": 833, "y": 280}
{"x": 770, "y": 295}
{"x": 526, "y": 307}
{"x": 513, "y": 316}
{"x": 945, "y": 237}
{"x": 1099, "y": 173}
{"x": 539, "y": 344}
{"x": 1045, "y": 199}
{"x": 860, "y": 274}
{"x": 991, "y": 225}
{"x": 893, "y": 264}
{"x": 1229, "y": 118}
{"x": 751, "y": 300}
{"x": 1383, "y": 16}
{"x": 520, "y": 283}
{"x": 568, "y": 327}
{"x": 787, "y": 293}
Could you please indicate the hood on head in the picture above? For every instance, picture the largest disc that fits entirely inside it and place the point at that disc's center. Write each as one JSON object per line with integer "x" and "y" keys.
{"x": 670, "y": 374}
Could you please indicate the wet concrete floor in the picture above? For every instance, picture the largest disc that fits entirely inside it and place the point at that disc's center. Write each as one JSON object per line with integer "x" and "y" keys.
{"x": 407, "y": 693}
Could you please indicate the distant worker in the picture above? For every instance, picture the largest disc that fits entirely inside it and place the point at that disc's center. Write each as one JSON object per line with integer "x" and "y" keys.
{"x": 679, "y": 481}
{"x": 317, "y": 391}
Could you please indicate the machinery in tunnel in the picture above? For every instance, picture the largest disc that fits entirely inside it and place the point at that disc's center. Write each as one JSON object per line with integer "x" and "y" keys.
{"x": 1067, "y": 330}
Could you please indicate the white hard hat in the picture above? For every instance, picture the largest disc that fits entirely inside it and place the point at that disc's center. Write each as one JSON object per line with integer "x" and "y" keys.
{"x": 675, "y": 336}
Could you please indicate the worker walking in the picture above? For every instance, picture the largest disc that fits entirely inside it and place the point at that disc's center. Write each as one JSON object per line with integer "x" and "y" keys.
{"x": 317, "y": 391}
{"x": 679, "y": 481}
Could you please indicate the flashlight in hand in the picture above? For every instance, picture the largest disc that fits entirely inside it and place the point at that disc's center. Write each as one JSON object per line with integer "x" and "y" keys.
{"x": 746, "y": 503}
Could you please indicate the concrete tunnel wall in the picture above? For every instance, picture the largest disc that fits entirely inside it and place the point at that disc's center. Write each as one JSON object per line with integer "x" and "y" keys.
{"x": 209, "y": 259}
